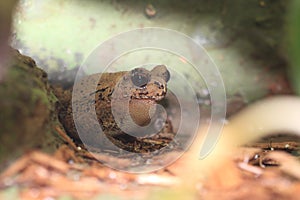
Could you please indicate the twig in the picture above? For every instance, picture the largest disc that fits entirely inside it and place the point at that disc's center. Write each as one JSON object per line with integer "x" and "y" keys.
{"x": 66, "y": 137}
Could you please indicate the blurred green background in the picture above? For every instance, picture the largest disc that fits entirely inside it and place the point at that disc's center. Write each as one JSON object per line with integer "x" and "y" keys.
{"x": 248, "y": 40}
{"x": 294, "y": 43}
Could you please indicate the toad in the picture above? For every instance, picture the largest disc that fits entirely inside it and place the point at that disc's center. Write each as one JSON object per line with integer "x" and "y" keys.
{"x": 122, "y": 105}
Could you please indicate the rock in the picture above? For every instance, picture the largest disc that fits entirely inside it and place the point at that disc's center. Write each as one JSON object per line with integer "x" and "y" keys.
{"x": 28, "y": 116}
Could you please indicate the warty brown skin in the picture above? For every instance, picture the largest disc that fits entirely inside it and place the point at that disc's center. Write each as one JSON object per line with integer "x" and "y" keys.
{"x": 138, "y": 89}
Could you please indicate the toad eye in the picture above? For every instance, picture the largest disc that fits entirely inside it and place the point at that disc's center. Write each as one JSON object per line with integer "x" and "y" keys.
{"x": 139, "y": 79}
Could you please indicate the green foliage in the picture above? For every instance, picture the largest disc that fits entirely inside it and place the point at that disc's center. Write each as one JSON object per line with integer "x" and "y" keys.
{"x": 294, "y": 43}
{"x": 10, "y": 193}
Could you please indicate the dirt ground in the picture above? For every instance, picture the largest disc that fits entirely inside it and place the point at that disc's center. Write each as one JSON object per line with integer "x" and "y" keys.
{"x": 73, "y": 173}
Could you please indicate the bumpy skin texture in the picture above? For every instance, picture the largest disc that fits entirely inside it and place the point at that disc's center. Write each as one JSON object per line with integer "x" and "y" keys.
{"x": 135, "y": 92}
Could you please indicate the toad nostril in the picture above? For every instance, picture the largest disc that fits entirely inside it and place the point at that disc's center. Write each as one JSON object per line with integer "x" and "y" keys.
{"x": 158, "y": 84}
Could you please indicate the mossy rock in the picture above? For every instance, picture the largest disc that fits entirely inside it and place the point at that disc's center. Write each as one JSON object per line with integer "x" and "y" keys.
{"x": 27, "y": 105}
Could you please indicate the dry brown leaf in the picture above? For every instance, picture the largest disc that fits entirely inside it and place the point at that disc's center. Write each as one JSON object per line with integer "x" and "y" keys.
{"x": 288, "y": 164}
{"x": 15, "y": 167}
{"x": 50, "y": 161}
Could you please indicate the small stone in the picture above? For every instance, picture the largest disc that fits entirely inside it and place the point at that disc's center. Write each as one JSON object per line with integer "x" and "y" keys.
{"x": 262, "y": 3}
{"x": 150, "y": 11}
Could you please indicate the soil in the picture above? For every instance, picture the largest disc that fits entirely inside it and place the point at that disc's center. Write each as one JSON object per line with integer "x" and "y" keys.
{"x": 75, "y": 173}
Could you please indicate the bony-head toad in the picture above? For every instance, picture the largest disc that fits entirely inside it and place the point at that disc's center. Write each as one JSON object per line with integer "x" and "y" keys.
{"x": 122, "y": 102}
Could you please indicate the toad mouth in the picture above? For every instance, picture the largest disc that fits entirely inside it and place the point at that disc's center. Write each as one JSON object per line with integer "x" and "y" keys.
{"x": 150, "y": 98}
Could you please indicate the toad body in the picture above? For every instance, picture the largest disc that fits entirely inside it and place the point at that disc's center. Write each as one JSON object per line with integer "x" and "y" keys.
{"x": 122, "y": 105}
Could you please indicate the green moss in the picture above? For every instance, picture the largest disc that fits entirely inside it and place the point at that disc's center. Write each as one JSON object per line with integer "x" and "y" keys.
{"x": 27, "y": 109}
{"x": 39, "y": 95}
